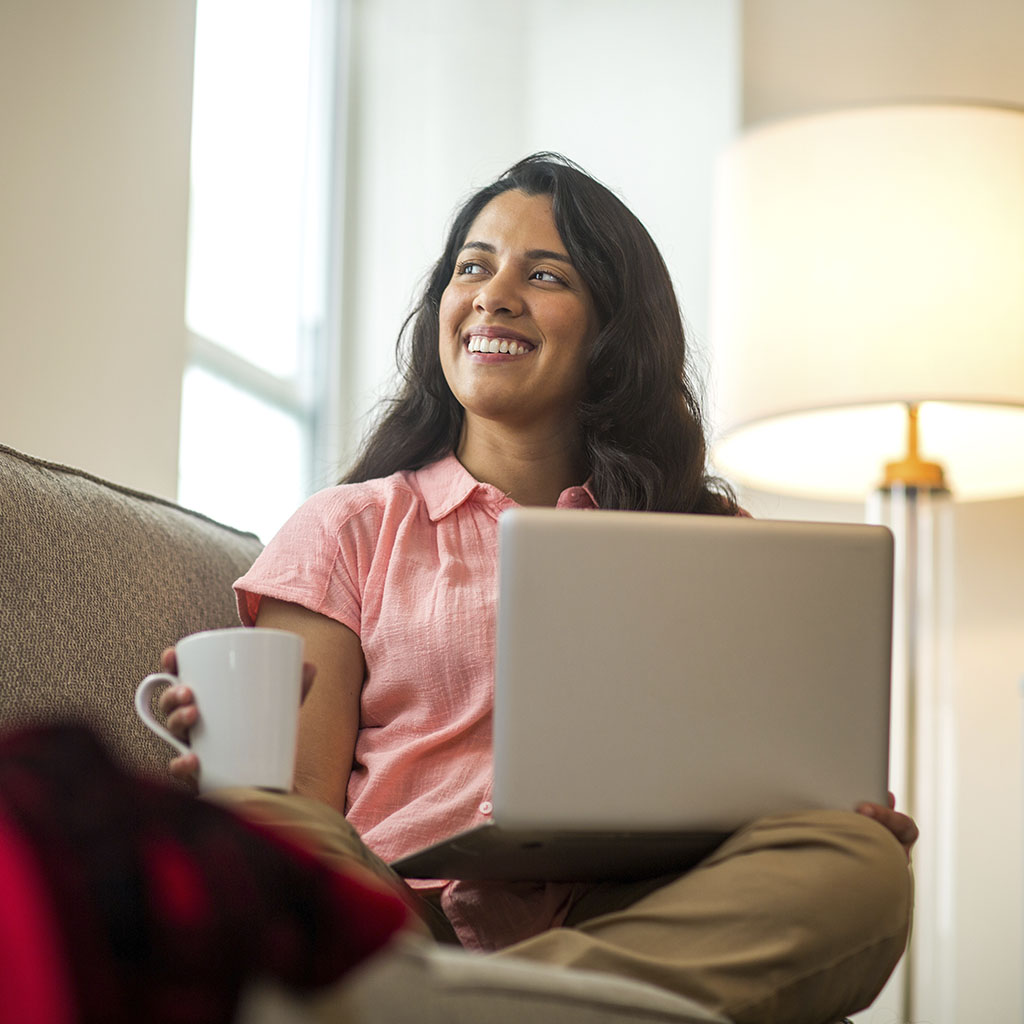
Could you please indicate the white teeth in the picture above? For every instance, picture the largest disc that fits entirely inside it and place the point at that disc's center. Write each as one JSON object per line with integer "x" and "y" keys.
{"x": 478, "y": 343}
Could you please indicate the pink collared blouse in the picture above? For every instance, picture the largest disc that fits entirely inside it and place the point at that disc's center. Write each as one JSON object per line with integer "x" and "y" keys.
{"x": 409, "y": 564}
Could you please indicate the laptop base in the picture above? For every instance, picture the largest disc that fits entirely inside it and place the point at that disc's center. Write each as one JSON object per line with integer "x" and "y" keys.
{"x": 491, "y": 853}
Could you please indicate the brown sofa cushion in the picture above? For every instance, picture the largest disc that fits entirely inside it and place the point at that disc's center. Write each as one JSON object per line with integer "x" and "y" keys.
{"x": 95, "y": 580}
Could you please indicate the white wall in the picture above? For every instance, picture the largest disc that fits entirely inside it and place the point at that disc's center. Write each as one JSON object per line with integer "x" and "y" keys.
{"x": 94, "y": 135}
{"x": 643, "y": 95}
{"x": 806, "y": 55}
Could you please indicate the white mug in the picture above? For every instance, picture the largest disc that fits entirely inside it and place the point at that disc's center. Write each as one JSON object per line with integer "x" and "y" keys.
{"x": 248, "y": 687}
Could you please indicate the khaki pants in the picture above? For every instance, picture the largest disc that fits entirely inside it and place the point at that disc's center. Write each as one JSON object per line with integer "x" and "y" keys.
{"x": 798, "y": 918}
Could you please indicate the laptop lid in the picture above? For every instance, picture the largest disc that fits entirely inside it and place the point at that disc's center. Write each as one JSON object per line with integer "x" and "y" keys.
{"x": 661, "y": 673}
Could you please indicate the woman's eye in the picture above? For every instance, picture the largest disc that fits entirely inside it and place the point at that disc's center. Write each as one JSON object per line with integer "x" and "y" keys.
{"x": 468, "y": 267}
{"x": 546, "y": 275}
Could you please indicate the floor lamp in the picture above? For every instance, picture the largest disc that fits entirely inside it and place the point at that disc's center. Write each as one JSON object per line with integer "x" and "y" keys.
{"x": 867, "y": 323}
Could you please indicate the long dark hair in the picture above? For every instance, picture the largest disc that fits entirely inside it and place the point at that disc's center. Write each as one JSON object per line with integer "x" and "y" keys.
{"x": 641, "y": 422}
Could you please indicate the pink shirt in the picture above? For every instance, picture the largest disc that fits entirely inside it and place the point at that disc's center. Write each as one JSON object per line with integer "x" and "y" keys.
{"x": 409, "y": 563}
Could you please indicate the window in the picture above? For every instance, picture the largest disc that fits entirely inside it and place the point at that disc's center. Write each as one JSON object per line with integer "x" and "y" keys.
{"x": 259, "y": 265}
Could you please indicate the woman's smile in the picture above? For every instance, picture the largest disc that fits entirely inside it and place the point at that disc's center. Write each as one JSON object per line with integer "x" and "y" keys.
{"x": 497, "y": 341}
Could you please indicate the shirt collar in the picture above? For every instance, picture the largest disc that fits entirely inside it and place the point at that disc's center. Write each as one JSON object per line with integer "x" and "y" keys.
{"x": 447, "y": 484}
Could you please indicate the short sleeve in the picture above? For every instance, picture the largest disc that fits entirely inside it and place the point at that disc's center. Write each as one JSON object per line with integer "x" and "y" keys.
{"x": 318, "y": 559}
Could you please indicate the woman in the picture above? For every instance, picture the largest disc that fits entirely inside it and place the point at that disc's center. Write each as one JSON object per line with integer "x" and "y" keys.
{"x": 546, "y": 366}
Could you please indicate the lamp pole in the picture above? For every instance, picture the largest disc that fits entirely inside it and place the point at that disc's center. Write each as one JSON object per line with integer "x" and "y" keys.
{"x": 914, "y": 502}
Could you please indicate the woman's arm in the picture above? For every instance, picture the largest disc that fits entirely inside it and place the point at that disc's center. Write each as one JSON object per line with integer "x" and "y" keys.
{"x": 329, "y": 720}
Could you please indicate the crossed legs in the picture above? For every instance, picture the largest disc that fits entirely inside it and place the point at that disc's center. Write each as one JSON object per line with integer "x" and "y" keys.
{"x": 798, "y": 918}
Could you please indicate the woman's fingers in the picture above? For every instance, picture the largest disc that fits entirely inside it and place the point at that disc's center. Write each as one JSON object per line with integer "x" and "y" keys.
{"x": 181, "y": 721}
{"x": 902, "y": 826}
{"x": 175, "y": 697}
{"x": 169, "y": 661}
{"x": 178, "y": 703}
{"x": 185, "y": 767}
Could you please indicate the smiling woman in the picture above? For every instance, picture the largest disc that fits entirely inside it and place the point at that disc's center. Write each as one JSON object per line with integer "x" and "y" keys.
{"x": 391, "y": 579}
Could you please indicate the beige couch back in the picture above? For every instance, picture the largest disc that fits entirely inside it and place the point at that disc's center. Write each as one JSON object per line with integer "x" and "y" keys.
{"x": 95, "y": 580}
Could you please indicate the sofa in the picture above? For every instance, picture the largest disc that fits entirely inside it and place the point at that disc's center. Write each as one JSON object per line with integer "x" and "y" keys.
{"x": 95, "y": 580}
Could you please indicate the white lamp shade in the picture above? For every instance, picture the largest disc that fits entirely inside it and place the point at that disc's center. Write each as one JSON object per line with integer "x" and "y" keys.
{"x": 864, "y": 260}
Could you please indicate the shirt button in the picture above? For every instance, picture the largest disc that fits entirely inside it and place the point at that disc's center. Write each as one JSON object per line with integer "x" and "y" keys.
{"x": 486, "y": 807}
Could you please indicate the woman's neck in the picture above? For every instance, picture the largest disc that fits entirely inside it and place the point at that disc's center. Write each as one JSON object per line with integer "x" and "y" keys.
{"x": 531, "y": 471}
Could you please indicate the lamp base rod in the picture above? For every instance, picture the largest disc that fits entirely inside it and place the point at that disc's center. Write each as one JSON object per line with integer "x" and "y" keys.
{"x": 921, "y": 769}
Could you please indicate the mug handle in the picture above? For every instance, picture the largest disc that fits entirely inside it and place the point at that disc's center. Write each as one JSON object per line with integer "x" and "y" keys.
{"x": 143, "y": 698}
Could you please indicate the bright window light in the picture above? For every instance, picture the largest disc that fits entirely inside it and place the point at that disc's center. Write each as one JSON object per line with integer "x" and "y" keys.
{"x": 249, "y": 131}
{"x": 235, "y": 446}
{"x": 262, "y": 127}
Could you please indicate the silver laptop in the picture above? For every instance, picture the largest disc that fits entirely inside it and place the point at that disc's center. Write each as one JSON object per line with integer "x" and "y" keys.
{"x": 662, "y": 680}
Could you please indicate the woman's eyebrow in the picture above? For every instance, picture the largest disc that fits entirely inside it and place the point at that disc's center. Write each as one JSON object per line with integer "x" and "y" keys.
{"x": 548, "y": 254}
{"x": 532, "y": 254}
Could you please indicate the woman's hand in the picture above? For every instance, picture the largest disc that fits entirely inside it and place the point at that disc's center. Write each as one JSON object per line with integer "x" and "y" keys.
{"x": 178, "y": 703}
{"x": 902, "y": 826}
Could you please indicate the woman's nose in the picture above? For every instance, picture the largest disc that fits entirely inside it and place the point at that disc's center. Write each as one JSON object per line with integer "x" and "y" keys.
{"x": 499, "y": 294}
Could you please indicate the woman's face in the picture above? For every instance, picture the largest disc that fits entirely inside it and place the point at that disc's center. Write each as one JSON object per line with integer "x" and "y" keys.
{"x": 516, "y": 319}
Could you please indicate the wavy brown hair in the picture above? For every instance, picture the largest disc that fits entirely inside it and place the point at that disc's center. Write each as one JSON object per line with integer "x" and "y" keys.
{"x": 641, "y": 421}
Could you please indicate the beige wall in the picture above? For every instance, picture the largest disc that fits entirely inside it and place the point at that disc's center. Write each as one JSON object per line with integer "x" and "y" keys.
{"x": 806, "y": 55}
{"x": 94, "y": 134}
